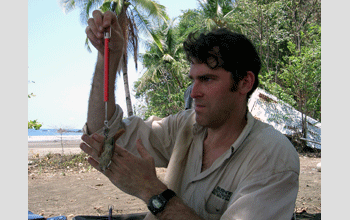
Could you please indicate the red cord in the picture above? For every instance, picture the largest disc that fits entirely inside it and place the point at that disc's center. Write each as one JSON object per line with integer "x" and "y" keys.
{"x": 106, "y": 72}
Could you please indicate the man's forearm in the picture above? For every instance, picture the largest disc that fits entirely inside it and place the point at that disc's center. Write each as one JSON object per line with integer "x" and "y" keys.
{"x": 96, "y": 107}
{"x": 176, "y": 209}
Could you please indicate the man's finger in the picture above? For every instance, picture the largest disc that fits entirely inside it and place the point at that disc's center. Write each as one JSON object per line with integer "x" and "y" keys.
{"x": 109, "y": 18}
{"x": 90, "y": 140}
{"x": 98, "y": 17}
{"x": 94, "y": 29}
{"x": 95, "y": 164}
{"x": 95, "y": 142}
{"x": 120, "y": 151}
{"x": 92, "y": 37}
{"x": 142, "y": 150}
{"x": 84, "y": 147}
{"x": 97, "y": 137}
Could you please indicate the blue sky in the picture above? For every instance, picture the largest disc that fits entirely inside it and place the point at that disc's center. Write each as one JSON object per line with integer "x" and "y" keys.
{"x": 62, "y": 68}
{"x": 32, "y": 45}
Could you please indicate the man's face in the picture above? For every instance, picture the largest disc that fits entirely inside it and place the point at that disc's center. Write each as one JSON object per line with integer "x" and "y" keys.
{"x": 214, "y": 101}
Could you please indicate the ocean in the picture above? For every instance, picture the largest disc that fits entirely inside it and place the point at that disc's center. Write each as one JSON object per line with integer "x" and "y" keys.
{"x": 53, "y": 135}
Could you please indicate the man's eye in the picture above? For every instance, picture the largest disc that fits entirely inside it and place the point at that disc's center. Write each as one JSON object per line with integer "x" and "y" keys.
{"x": 205, "y": 79}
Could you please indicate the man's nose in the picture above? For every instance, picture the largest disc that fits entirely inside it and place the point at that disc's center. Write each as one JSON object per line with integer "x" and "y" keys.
{"x": 196, "y": 90}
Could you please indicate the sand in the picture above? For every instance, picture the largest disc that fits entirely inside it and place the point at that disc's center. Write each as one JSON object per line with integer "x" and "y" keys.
{"x": 87, "y": 192}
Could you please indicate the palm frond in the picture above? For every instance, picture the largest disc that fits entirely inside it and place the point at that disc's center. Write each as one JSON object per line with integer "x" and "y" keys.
{"x": 229, "y": 14}
{"x": 144, "y": 25}
{"x": 67, "y": 5}
{"x": 227, "y": 6}
{"x": 87, "y": 7}
{"x": 132, "y": 37}
{"x": 151, "y": 9}
{"x": 210, "y": 8}
{"x": 168, "y": 58}
{"x": 87, "y": 45}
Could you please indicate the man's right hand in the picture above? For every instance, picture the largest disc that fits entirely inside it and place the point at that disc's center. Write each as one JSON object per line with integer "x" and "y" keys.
{"x": 98, "y": 24}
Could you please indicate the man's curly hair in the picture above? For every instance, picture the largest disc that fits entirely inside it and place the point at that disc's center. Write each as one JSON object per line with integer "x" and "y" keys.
{"x": 223, "y": 48}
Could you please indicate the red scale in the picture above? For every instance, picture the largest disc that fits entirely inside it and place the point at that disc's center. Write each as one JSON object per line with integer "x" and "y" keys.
{"x": 106, "y": 80}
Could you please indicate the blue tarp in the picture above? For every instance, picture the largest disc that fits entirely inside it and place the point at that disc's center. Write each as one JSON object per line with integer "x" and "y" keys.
{"x": 32, "y": 216}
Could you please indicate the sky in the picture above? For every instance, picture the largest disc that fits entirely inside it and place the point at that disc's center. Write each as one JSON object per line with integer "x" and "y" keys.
{"x": 60, "y": 69}
{"x": 40, "y": 41}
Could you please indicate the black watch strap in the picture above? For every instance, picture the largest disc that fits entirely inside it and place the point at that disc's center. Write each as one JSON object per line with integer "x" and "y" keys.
{"x": 157, "y": 203}
{"x": 168, "y": 194}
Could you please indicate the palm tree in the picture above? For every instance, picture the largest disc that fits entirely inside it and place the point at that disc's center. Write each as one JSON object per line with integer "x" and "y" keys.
{"x": 134, "y": 16}
{"x": 212, "y": 14}
{"x": 165, "y": 79}
{"x": 166, "y": 58}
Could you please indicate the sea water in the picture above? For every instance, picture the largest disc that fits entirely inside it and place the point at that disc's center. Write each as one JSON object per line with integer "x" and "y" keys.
{"x": 53, "y": 135}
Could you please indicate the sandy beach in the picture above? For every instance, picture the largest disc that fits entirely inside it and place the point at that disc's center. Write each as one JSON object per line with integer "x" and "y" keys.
{"x": 44, "y": 147}
{"x": 72, "y": 192}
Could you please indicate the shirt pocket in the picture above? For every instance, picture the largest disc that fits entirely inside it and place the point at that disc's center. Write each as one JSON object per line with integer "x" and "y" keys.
{"x": 216, "y": 203}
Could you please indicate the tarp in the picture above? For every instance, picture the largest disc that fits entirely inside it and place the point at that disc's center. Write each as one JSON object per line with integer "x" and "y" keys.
{"x": 283, "y": 117}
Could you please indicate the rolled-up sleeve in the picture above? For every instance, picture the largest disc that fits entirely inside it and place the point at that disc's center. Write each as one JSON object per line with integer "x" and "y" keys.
{"x": 157, "y": 134}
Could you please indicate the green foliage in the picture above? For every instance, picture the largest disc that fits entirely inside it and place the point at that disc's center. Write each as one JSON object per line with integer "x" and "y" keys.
{"x": 163, "y": 84}
{"x": 286, "y": 34}
{"x": 299, "y": 80}
{"x": 267, "y": 82}
{"x": 61, "y": 161}
{"x": 31, "y": 95}
{"x": 34, "y": 125}
{"x": 302, "y": 77}
{"x": 134, "y": 17}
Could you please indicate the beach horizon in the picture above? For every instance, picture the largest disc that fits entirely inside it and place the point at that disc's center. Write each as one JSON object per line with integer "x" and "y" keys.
{"x": 42, "y": 148}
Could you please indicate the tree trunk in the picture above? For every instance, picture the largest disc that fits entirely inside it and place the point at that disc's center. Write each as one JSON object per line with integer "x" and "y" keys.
{"x": 127, "y": 90}
{"x": 304, "y": 128}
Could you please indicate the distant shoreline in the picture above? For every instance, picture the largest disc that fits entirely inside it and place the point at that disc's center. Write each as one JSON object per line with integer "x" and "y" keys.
{"x": 43, "y": 148}
{"x": 54, "y": 138}
{"x": 54, "y": 132}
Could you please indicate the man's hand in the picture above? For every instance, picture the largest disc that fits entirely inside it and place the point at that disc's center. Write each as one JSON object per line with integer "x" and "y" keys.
{"x": 98, "y": 24}
{"x": 133, "y": 175}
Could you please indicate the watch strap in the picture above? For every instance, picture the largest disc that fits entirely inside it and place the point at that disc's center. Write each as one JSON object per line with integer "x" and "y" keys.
{"x": 162, "y": 199}
{"x": 168, "y": 194}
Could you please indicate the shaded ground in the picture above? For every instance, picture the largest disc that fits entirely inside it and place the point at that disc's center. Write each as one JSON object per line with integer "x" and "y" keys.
{"x": 309, "y": 196}
{"x": 69, "y": 186}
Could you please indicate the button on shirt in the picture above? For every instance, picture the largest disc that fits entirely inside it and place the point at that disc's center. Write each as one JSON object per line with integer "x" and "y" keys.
{"x": 259, "y": 171}
{"x": 257, "y": 178}
{"x": 196, "y": 184}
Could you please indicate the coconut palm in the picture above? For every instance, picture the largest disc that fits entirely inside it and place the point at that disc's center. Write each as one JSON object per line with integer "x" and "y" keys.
{"x": 163, "y": 83}
{"x": 134, "y": 16}
{"x": 166, "y": 59}
{"x": 212, "y": 14}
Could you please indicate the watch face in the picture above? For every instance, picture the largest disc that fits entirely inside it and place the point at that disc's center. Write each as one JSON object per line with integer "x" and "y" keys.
{"x": 156, "y": 203}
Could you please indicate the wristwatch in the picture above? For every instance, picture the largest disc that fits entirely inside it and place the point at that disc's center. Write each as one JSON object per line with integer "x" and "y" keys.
{"x": 157, "y": 203}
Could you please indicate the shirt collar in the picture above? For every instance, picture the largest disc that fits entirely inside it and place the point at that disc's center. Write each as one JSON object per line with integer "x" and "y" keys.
{"x": 197, "y": 129}
{"x": 244, "y": 134}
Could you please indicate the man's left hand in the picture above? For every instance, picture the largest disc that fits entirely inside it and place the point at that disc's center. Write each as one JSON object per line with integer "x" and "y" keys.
{"x": 133, "y": 175}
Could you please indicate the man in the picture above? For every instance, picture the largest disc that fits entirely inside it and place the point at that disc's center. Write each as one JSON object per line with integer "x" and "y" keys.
{"x": 221, "y": 162}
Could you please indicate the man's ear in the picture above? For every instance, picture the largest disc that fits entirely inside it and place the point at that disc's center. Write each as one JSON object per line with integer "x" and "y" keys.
{"x": 246, "y": 84}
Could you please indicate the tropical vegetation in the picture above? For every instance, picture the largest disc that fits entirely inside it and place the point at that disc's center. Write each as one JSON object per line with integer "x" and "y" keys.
{"x": 33, "y": 124}
{"x": 286, "y": 33}
{"x": 134, "y": 16}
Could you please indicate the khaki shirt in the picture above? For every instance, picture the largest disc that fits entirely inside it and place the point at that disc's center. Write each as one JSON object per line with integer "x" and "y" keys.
{"x": 257, "y": 178}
